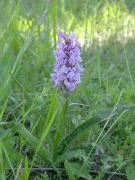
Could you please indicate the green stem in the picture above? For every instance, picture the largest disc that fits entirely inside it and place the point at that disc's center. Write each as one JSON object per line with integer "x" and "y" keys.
{"x": 60, "y": 128}
{"x": 60, "y": 123}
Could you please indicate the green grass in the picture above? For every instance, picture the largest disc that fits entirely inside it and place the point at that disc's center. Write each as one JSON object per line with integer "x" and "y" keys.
{"x": 93, "y": 136}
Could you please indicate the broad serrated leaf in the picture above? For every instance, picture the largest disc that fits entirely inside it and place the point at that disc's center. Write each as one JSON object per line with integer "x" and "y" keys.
{"x": 73, "y": 154}
{"x": 130, "y": 172}
{"x": 69, "y": 171}
{"x": 75, "y": 170}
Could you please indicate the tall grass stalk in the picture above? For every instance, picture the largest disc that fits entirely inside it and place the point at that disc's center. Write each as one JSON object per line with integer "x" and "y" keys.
{"x": 54, "y": 21}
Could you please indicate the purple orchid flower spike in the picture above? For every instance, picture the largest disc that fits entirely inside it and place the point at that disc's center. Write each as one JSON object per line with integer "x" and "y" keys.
{"x": 68, "y": 68}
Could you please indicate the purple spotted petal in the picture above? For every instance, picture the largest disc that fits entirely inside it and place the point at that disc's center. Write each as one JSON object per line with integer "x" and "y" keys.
{"x": 67, "y": 69}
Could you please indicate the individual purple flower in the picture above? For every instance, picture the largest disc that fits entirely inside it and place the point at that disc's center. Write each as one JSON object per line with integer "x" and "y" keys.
{"x": 67, "y": 69}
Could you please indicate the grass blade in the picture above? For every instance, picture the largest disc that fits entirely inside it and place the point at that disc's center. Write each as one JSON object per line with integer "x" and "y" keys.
{"x": 54, "y": 21}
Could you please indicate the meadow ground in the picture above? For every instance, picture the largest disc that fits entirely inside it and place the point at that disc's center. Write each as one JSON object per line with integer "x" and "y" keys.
{"x": 91, "y": 137}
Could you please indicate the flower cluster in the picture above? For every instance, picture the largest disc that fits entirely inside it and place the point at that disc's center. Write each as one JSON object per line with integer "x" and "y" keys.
{"x": 67, "y": 68}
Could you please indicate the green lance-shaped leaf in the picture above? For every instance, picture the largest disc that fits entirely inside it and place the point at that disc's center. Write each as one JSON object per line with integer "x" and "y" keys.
{"x": 99, "y": 117}
{"x": 26, "y": 169}
{"x": 32, "y": 140}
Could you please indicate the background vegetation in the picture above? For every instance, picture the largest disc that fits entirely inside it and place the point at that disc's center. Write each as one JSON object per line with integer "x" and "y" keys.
{"x": 97, "y": 139}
